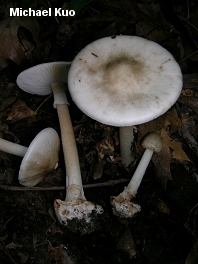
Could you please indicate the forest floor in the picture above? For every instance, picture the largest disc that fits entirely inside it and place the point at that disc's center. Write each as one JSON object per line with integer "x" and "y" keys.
{"x": 166, "y": 229}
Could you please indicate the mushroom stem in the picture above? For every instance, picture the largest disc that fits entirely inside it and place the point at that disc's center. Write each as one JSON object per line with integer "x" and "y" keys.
{"x": 136, "y": 180}
{"x": 122, "y": 205}
{"x": 73, "y": 177}
{"x": 12, "y": 148}
{"x": 75, "y": 207}
{"x": 72, "y": 165}
{"x": 126, "y": 141}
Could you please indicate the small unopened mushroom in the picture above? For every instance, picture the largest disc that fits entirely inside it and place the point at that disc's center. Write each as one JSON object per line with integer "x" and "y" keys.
{"x": 122, "y": 205}
{"x": 43, "y": 79}
{"x": 124, "y": 81}
{"x": 40, "y": 158}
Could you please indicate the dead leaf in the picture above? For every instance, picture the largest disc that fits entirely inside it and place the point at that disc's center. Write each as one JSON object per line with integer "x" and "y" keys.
{"x": 190, "y": 80}
{"x": 165, "y": 125}
{"x": 190, "y": 134}
{"x": 105, "y": 147}
{"x": 162, "y": 206}
{"x": 176, "y": 147}
{"x": 171, "y": 119}
{"x": 168, "y": 122}
{"x": 12, "y": 45}
{"x": 60, "y": 255}
{"x": 19, "y": 111}
{"x": 126, "y": 244}
{"x": 161, "y": 162}
{"x": 98, "y": 170}
{"x": 193, "y": 255}
{"x": 12, "y": 245}
{"x": 23, "y": 257}
{"x": 190, "y": 101}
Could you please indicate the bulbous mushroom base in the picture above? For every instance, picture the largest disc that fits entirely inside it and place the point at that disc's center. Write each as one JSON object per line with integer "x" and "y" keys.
{"x": 78, "y": 215}
{"x": 123, "y": 208}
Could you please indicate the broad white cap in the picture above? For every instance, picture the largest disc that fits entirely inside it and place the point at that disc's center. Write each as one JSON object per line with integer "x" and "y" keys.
{"x": 38, "y": 79}
{"x": 124, "y": 80}
{"x": 41, "y": 157}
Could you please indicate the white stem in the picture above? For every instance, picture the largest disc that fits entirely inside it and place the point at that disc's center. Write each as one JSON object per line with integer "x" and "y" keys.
{"x": 139, "y": 173}
{"x": 12, "y": 148}
{"x": 73, "y": 174}
{"x": 126, "y": 141}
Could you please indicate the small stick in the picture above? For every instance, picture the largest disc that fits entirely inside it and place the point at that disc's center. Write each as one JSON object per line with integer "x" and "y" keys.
{"x": 42, "y": 104}
{"x": 7, "y": 253}
{"x": 60, "y": 188}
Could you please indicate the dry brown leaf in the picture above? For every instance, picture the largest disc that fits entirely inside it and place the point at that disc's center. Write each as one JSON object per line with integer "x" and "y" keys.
{"x": 161, "y": 162}
{"x": 171, "y": 119}
{"x": 189, "y": 101}
{"x": 98, "y": 170}
{"x": 193, "y": 255}
{"x": 19, "y": 111}
{"x": 126, "y": 244}
{"x": 171, "y": 122}
{"x": 23, "y": 257}
{"x": 190, "y": 80}
{"x": 11, "y": 45}
{"x": 60, "y": 255}
{"x": 162, "y": 206}
{"x": 176, "y": 147}
{"x": 105, "y": 147}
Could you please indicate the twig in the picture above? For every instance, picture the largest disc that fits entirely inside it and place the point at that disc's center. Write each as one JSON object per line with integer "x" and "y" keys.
{"x": 42, "y": 103}
{"x": 188, "y": 56}
{"x": 59, "y": 188}
{"x": 188, "y": 23}
{"x": 7, "y": 253}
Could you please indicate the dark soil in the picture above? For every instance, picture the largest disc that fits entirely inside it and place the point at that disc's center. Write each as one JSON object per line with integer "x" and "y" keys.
{"x": 166, "y": 229}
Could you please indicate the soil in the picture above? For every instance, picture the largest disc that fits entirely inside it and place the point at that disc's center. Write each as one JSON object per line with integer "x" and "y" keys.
{"x": 166, "y": 229}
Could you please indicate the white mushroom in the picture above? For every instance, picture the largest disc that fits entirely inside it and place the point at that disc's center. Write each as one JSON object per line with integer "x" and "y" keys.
{"x": 124, "y": 81}
{"x": 122, "y": 205}
{"x": 40, "y": 158}
{"x": 42, "y": 80}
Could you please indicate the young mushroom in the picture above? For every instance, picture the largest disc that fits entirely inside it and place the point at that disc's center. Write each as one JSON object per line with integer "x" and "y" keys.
{"x": 122, "y": 205}
{"x": 75, "y": 212}
{"x": 40, "y": 158}
{"x": 124, "y": 81}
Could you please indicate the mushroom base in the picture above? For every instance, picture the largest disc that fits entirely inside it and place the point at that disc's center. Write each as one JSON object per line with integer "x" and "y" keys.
{"x": 124, "y": 208}
{"x": 78, "y": 215}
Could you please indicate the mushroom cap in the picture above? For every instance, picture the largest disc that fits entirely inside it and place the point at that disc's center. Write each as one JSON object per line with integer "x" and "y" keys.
{"x": 41, "y": 157}
{"x": 38, "y": 79}
{"x": 124, "y": 80}
{"x": 152, "y": 141}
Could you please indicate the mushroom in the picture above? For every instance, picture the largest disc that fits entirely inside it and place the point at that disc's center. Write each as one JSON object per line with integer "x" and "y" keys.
{"x": 122, "y": 205}
{"x": 124, "y": 81}
{"x": 42, "y": 80}
{"x": 40, "y": 158}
